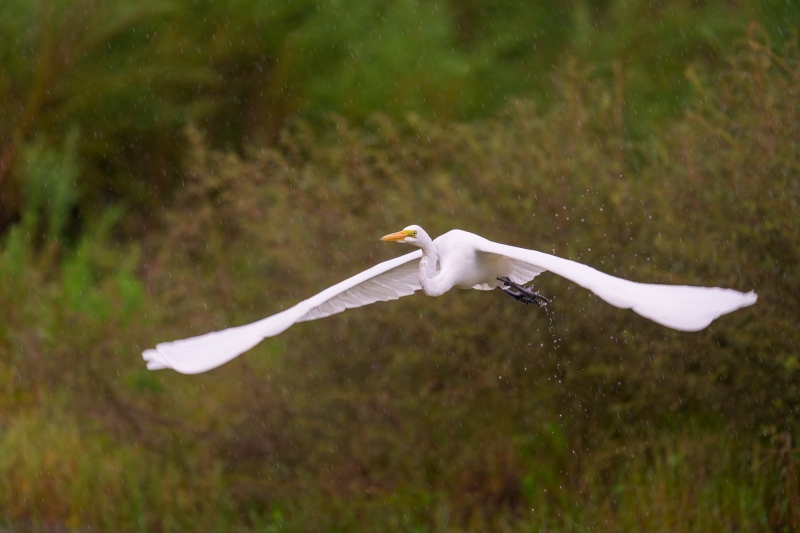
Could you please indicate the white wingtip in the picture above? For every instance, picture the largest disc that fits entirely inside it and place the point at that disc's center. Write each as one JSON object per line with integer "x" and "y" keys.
{"x": 205, "y": 352}
{"x": 749, "y": 299}
{"x": 689, "y": 308}
{"x": 154, "y": 360}
{"x": 202, "y": 353}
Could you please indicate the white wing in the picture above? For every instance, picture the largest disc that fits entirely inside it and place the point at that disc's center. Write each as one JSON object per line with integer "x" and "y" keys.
{"x": 679, "y": 307}
{"x": 386, "y": 281}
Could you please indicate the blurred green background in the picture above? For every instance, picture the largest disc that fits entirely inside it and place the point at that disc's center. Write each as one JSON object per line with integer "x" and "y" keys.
{"x": 170, "y": 168}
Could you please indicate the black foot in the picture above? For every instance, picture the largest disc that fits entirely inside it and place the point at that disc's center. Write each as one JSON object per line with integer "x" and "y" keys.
{"x": 522, "y": 294}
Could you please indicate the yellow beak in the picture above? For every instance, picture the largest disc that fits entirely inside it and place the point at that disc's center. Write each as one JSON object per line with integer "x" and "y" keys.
{"x": 399, "y": 236}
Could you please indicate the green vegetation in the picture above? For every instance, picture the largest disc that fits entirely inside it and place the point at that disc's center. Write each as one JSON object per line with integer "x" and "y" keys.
{"x": 169, "y": 169}
{"x": 127, "y": 75}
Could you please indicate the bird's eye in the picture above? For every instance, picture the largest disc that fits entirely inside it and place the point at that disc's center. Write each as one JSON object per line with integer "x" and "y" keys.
{"x": 415, "y": 233}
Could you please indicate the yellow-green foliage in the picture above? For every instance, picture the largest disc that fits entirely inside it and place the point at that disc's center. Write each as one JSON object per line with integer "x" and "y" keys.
{"x": 57, "y": 472}
{"x": 463, "y": 412}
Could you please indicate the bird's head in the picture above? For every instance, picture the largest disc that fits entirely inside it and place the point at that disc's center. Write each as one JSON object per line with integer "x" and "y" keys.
{"x": 410, "y": 235}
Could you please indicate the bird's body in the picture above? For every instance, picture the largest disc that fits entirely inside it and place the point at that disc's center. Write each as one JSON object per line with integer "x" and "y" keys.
{"x": 456, "y": 259}
{"x": 453, "y": 261}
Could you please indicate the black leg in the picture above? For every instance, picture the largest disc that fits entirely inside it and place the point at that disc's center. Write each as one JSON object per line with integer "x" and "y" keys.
{"x": 521, "y": 293}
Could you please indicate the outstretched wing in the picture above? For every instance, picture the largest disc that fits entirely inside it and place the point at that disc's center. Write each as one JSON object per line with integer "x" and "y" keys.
{"x": 680, "y": 307}
{"x": 386, "y": 281}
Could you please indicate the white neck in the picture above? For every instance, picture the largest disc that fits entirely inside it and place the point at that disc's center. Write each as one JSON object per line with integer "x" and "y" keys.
{"x": 429, "y": 276}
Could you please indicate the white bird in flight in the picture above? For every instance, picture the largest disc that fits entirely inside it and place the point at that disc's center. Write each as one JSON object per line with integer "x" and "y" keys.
{"x": 455, "y": 259}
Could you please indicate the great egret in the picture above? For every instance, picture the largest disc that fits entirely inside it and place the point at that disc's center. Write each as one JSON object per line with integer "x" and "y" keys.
{"x": 455, "y": 259}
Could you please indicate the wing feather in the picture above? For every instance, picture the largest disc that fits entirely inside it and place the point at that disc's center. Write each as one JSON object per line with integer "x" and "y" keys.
{"x": 681, "y": 307}
{"x": 389, "y": 280}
